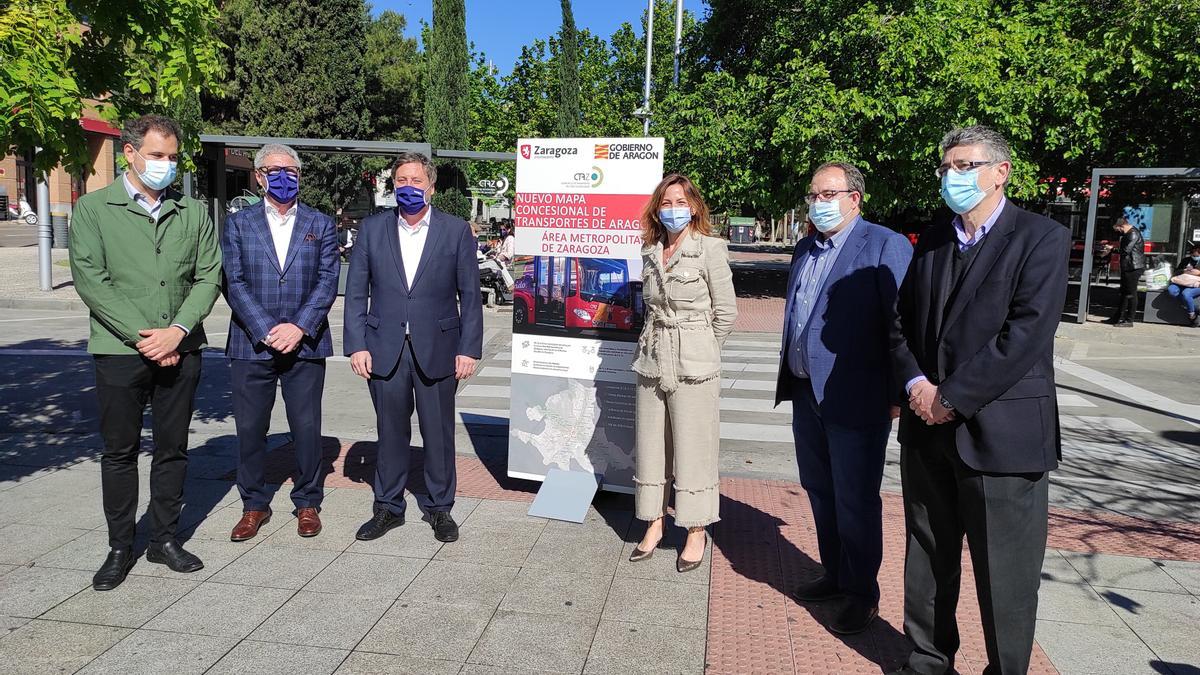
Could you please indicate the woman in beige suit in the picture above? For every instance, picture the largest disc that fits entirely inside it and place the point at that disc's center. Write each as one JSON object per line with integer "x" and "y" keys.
{"x": 690, "y": 310}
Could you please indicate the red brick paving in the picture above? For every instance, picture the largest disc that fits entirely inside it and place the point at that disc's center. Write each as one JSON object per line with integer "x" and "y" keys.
{"x": 766, "y": 542}
{"x": 760, "y": 315}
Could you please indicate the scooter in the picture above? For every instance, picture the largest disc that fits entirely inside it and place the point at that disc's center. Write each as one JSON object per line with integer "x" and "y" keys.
{"x": 22, "y": 211}
{"x": 493, "y": 275}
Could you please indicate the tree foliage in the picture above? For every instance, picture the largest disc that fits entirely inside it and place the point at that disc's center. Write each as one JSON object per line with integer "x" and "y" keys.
{"x": 124, "y": 57}
{"x": 568, "y": 69}
{"x": 447, "y": 99}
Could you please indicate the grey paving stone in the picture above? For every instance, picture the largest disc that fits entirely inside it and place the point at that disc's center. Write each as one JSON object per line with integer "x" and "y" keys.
{"x": 584, "y": 552}
{"x": 481, "y": 669}
{"x": 413, "y": 539}
{"x": 623, "y": 648}
{"x": 21, "y": 543}
{"x": 661, "y": 565}
{"x": 10, "y": 623}
{"x": 365, "y": 663}
{"x": 148, "y": 652}
{"x": 661, "y": 603}
{"x": 275, "y": 566}
{"x": 219, "y": 523}
{"x": 54, "y": 647}
{"x": 130, "y": 605}
{"x": 501, "y": 514}
{"x": 86, "y": 552}
{"x": 322, "y": 620}
{"x": 1165, "y": 621}
{"x": 337, "y": 534}
{"x": 1186, "y": 573}
{"x": 215, "y": 555}
{"x": 1115, "y": 571}
{"x": 578, "y": 596}
{"x": 5, "y": 569}
{"x": 269, "y": 657}
{"x": 606, "y": 521}
{"x": 30, "y": 591}
{"x": 1056, "y": 568}
{"x": 1083, "y": 649}
{"x": 540, "y": 642}
{"x": 454, "y": 583}
{"x": 52, "y": 508}
{"x": 220, "y": 610}
{"x": 427, "y": 630}
{"x": 367, "y": 576}
{"x": 1075, "y": 603}
{"x": 493, "y": 546}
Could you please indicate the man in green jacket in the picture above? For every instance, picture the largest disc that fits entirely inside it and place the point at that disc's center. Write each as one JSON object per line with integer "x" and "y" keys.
{"x": 147, "y": 263}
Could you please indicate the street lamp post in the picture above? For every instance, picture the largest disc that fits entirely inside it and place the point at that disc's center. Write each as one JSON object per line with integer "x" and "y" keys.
{"x": 45, "y": 234}
{"x": 645, "y": 113}
{"x": 678, "y": 39}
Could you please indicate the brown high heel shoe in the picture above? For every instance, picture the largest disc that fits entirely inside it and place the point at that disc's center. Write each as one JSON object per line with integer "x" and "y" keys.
{"x": 682, "y": 565}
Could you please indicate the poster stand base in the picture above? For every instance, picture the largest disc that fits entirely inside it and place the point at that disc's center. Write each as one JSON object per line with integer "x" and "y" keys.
{"x": 565, "y": 495}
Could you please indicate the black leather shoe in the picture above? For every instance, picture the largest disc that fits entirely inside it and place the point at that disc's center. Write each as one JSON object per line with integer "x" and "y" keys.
{"x": 173, "y": 556}
{"x": 114, "y": 570}
{"x": 383, "y": 522}
{"x": 444, "y": 527}
{"x": 854, "y": 616}
{"x": 823, "y": 588}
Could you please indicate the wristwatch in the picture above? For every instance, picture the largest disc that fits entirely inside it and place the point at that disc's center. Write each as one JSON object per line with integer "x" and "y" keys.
{"x": 945, "y": 404}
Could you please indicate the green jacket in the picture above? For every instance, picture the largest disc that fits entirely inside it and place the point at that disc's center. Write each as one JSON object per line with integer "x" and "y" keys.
{"x": 134, "y": 274}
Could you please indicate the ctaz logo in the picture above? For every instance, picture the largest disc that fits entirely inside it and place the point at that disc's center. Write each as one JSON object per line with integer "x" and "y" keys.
{"x": 526, "y": 151}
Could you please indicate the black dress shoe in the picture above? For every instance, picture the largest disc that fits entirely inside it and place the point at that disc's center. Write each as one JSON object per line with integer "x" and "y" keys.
{"x": 173, "y": 556}
{"x": 444, "y": 527}
{"x": 854, "y": 616}
{"x": 114, "y": 570}
{"x": 823, "y": 588}
{"x": 383, "y": 522}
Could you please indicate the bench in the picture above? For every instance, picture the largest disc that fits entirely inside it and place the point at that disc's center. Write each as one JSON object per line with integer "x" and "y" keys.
{"x": 1160, "y": 307}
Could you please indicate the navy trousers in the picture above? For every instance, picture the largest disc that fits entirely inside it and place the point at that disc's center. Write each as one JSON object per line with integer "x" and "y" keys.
{"x": 254, "y": 382}
{"x": 841, "y": 469}
{"x": 395, "y": 395}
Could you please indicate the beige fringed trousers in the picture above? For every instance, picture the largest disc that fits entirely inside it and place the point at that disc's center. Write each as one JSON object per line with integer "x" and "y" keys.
{"x": 678, "y": 436}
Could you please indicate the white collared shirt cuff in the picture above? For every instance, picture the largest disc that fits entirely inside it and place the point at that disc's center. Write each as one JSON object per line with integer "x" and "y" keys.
{"x": 913, "y": 382}
{"x": 183, "y": 328}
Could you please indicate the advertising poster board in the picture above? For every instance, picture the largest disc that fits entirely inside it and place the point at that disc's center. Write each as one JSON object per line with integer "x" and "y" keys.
{"x": 577, "y": 305}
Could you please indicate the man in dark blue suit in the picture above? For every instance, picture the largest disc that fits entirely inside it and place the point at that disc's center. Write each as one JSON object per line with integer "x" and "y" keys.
{"x": 974, "y": 346}
{"x": 834, "y": 368}
{"x": 281, "y": 276}
{"x": 413, "y": 327}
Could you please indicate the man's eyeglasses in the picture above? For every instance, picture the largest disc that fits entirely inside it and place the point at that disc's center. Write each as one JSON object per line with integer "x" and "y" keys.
{"x": 824, "y": 195}
{"x": 274, "y": 170}
{"x": 961, "y": 166}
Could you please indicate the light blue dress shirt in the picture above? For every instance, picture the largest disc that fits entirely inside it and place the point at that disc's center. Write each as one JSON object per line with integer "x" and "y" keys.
{"x": 814, "y": 270}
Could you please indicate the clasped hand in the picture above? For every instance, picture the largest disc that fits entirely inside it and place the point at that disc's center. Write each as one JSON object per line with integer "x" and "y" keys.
{"x": 284, "y": 338}
{"x": 161, "y": 345}
{"x": 925, "y": 401}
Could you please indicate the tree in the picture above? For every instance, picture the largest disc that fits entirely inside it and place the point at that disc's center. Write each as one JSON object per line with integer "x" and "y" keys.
{"x": 59, "y": 56}
{"x": 394, "y": 73}
{"x": 446, "y": 100}
{"x": 568, "y": 67}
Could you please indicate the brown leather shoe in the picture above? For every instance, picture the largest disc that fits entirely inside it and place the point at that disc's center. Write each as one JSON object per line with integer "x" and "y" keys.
{"x": 308, "y": 523}
{"x": 248, "y": 526}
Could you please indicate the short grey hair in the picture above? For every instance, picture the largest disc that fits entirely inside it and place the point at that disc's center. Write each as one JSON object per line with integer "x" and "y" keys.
{"x": 993, "y": 143}
{"x": 135, "y": 130}
{"x": 260, "y": 157}
{"x": 411, "y": 157}
{"x": 854, "y": 177}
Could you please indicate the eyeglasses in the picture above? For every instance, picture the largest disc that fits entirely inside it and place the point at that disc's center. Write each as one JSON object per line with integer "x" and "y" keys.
{"x": 961, "y": 166}
{"x": 824, "y": 195}
{"x": 274, "y": 170}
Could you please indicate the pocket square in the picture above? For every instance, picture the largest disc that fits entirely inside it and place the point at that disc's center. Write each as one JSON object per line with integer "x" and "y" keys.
{"x": 310, "y": 237}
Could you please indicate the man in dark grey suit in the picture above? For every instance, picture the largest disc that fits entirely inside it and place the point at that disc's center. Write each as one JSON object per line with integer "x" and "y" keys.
{"x": 974, "y": 347}
{"x": 413, "y": 326}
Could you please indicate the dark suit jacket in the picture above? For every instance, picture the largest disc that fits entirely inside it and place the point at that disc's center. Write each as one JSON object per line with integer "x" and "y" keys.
{"x": 991, "y": 351}
{"x": 444, "y": 307}
{"x": 264, "y": 294}
{"x": 847, "y": 334}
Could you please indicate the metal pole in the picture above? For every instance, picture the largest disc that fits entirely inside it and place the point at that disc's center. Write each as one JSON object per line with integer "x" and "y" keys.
{"x": 649, "y": 51}
{"x": 45, "y": 234}
{"x": 678, "y": 38}
{"x": 187, "y": 185}
{"x": 1089, "y": 238}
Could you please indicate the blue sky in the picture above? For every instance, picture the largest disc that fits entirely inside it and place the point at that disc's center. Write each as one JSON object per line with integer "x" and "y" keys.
{"x": 500, "y": 28}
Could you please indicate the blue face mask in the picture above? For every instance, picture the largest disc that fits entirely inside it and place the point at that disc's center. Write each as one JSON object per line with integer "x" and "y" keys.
{"x": 961, "y": 191}
{"x": 410, "y": 199}
{"x": 159, "y": 173}
{"x": 283, "y": 186}
{"x": 826, "y": 215}
{"x": 675, "y": 218}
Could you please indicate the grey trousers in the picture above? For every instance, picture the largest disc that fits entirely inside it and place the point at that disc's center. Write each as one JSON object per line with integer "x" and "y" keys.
{"x": 678, "y": 436}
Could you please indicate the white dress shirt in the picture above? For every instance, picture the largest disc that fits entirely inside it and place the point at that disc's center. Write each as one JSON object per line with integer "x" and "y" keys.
{"x": 281, "y": 225}
{"x": 412, "y": 243}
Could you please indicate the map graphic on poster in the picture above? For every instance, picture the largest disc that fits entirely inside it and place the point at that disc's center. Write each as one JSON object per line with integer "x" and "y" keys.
{"x": 577, "y": 303}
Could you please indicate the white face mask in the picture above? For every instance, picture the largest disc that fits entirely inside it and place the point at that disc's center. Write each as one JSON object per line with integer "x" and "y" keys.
{"x": 159, "y": 173}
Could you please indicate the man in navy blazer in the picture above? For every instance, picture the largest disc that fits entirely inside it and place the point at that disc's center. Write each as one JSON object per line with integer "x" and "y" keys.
{"x": 281, "y": 277}
{"x": 413, "y": 327}
{"x": 835, "y": 370}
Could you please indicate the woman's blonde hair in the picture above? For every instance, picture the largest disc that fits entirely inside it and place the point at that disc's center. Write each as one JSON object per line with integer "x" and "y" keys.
{"x": 652, "y": 228}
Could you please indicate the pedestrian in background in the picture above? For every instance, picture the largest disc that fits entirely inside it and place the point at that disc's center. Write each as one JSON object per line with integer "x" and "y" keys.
{"x": 691, "y": 307}
{"x": 1185, "y": 285}
{"x": 835, "y": 370}
{"x": 146, "y": 262}
{"x": 1132, "y": 250}
{"x": 281, "y": 278}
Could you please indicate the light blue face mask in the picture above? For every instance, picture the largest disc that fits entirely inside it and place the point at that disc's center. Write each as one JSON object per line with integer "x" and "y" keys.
{"x": 826, "y": 215}
{"x": 675, "y": 218}
{"x": 961, "y": 191}
{"x": 159, "y": 173}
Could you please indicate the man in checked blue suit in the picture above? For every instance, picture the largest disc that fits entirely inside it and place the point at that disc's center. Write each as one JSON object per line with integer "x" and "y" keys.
{"x": 413, "y": 327}
{"x": 835, "y": 369}
{"x": 281, "y": 276}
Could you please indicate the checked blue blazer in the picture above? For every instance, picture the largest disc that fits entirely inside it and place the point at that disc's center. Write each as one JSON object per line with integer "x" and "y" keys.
{"x": 263, "y": 294}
